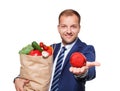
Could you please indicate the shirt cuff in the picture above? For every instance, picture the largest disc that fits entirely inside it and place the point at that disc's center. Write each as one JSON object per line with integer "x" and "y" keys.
{"x": 82, "y": 75}
{"x": 16, "y": 78}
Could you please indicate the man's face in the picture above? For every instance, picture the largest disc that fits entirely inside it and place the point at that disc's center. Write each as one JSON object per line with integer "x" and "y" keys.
{"x": 68, "y": 28}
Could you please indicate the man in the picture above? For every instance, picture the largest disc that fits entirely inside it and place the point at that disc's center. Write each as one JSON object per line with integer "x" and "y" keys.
{"x": 70, "y": 78}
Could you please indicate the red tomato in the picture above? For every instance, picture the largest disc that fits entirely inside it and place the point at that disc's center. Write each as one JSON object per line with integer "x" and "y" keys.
{"x": 35, "y": 53}
{"x": 77, "y": 59}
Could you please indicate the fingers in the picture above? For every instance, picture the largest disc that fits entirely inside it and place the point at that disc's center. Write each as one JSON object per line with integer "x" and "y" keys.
{"x": 84, "y": 69}
{"x": 78, "y": 71}
{"x": 25, "y": 81}
{"x": 91, "y": 64}
{"x": 20, "y": 83}
{"x": 20, "y": 88}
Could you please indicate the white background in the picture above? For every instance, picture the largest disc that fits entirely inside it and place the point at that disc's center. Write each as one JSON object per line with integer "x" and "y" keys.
{"x": 22, "y": 21}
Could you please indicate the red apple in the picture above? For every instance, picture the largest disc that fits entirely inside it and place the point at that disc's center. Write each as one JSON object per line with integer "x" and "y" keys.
{"x": 77, "y": 59}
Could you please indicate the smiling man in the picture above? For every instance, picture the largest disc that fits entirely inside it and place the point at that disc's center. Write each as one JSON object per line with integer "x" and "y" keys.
{"x": 65, "y": 77}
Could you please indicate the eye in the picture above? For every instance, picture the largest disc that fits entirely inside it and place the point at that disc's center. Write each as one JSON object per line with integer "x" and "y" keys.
{"x": 63, "y": 26}
{"x": 73, "y": 26}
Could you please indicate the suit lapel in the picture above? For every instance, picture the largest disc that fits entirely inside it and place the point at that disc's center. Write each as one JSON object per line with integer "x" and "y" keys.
{"x": 77, "y": 47}
{"x": 56, "y": 48}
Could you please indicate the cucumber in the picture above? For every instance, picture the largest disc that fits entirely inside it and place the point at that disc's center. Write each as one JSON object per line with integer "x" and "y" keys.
{"x": 36, "y": 46}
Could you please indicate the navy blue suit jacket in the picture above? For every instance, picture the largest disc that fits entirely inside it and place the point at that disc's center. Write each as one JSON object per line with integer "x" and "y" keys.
{"x": 67, "y": 81}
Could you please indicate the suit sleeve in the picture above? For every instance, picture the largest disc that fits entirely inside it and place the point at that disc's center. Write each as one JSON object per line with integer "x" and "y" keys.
{"x": 89, "y": 53}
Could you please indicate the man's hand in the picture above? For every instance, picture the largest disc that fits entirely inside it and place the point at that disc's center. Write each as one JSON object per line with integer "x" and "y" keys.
{"x": 83, "y": 70}
{"x": 20, "y": 83}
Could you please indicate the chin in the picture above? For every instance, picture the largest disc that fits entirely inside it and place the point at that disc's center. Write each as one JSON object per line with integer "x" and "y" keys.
{"x": 68, "y": 41}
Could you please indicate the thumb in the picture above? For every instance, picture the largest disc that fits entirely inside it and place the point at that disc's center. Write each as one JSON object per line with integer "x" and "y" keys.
{"x": 25, "y": 81}
{"x": 91, "y": 64}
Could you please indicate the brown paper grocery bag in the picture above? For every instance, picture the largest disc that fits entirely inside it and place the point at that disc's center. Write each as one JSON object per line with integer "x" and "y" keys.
{"x": 36, "y": 69}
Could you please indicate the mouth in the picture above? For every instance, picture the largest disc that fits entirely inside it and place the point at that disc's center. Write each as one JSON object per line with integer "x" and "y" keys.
{"x": 68, "y": 36}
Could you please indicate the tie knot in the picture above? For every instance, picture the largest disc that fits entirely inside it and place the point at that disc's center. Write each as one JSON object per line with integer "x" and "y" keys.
{"x": 63, "y": 49}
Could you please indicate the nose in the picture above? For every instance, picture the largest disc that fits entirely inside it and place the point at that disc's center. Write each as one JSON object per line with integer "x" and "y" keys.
{"x": 69, "y": 29}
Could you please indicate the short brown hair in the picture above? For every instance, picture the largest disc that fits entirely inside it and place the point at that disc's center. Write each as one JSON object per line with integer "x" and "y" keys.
{"x": 70, "y": 12}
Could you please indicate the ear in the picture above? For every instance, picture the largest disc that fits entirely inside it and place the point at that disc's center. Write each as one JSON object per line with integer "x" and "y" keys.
{"x": 79, "y": 27}
{"x": 58, "y": 28}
